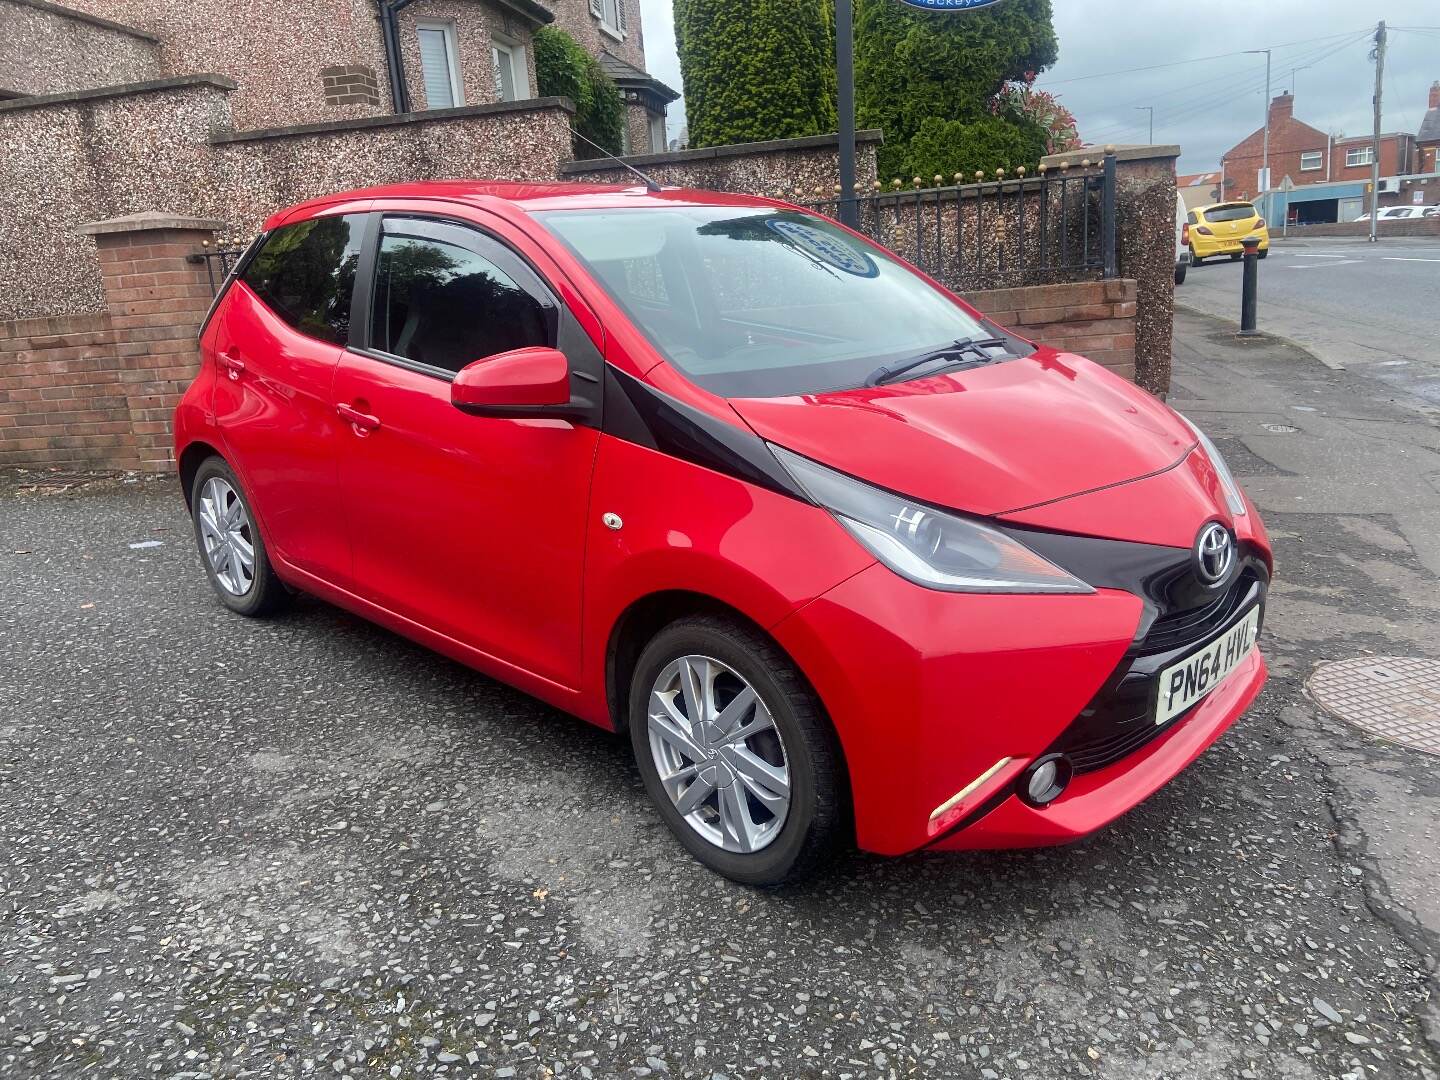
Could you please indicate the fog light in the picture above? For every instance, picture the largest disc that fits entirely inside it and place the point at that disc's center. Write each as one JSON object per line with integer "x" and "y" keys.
{"x": 1045, "y": 779}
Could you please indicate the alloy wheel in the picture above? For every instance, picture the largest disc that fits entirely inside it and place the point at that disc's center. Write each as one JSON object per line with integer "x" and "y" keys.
{"x": 718, "y": 754}
{"x": 225, "y": 532}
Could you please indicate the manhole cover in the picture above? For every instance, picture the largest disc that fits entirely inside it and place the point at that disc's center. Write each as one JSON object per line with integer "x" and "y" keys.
{"x": 1280, "y": 429}
{"x": 1393, "y": 697}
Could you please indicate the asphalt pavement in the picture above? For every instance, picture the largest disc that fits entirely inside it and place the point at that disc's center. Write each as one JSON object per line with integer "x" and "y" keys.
{"x": 307, "y": 847}
{"x": 1371, "y": 308}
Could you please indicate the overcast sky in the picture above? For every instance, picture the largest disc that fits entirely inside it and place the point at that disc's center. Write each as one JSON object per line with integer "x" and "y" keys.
{"x": 1206, "y": 107}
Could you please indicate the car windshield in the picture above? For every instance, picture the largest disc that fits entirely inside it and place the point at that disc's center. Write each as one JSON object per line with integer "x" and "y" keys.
{"x": 1231, "y": 212}
{"x": 758, "y": 302}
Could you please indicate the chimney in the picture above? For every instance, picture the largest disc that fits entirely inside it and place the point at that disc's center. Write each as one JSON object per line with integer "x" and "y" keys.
{"x": 1435, "y": 95}
{"x": 1282, "y": 108}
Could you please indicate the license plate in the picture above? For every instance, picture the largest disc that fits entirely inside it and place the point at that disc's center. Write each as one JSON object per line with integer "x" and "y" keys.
{"x": 1184, "y": 683}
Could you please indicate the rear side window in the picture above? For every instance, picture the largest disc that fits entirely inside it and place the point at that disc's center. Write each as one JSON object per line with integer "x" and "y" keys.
{"x": 445, "y": 306}
{"x": 305, "y": 273}
{"x": 1230, "y": 212}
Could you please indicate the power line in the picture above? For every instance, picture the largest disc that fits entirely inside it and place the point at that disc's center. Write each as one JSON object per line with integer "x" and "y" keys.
{"x": 1197, "y": 59}
{"x": 1233, "y": 92}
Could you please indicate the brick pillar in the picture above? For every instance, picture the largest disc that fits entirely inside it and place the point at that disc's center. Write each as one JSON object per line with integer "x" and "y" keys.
{"x": 1145, "y": 242}
{"x": 156, "y": 301}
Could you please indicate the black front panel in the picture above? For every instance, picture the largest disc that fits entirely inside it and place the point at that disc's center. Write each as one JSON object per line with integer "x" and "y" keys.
{"x": 1120, "y": 719}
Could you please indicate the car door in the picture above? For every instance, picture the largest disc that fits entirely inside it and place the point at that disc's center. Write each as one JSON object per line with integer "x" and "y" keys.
{"x": 281, "y": 331}
{"x": 471, "y": 526}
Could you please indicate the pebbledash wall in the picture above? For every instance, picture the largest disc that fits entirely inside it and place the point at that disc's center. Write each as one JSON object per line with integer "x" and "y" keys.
{"x": 45, "y": 49}
{"x": 169, "y": 145}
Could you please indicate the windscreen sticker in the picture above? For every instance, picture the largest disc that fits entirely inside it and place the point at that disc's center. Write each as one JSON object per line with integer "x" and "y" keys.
{"x": 829, "y": 249}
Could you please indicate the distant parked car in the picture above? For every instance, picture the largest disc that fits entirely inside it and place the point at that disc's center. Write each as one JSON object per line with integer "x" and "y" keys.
{"x": 1220, "y": 230}
{"x": 1432, "y": 211}
{"x": 1396, "y": 213}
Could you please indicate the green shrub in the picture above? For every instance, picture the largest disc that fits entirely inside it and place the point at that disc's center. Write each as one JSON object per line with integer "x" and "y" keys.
{"x": 933, "y": 82}
{"x": 756, "y": 69}
{"x": 564, "y": 69}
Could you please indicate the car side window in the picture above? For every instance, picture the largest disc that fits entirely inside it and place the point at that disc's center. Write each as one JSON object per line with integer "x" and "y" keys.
{"x": 305, "y": 273}
{"x": 446, "y": 306}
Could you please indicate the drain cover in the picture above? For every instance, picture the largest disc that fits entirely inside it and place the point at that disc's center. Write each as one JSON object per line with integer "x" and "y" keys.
{"x": 1392, "y": 697}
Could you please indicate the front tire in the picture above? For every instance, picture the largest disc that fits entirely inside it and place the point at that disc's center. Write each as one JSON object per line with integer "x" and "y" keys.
{"x": 736, "y": 752}
{"x": 231, "y": 547}
{"x": 1180, "y": 273}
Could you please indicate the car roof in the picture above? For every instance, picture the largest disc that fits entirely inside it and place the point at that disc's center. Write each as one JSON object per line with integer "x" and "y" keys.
{"x": 522, "y": 197}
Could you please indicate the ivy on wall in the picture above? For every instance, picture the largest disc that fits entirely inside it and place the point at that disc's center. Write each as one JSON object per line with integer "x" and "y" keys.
{"x": 564, "y": 69}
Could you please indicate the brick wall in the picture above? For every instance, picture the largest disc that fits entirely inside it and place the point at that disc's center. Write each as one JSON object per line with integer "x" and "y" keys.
{"x": 97, "y": 391}
{"x": 1404, "y": 227}
{"x": 1093, "y": 318}
{"x": 61, "y": 403}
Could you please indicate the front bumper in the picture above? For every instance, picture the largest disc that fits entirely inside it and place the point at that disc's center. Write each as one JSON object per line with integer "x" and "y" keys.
{"x": 929, "y": 691}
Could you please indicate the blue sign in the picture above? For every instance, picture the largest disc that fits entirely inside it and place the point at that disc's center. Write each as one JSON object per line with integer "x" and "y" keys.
{"x": 949, "y": 5}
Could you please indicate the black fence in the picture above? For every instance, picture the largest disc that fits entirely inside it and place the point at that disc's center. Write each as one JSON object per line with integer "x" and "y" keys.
{"x": 1055, "y": 225}
{"x": 218, "y": 263}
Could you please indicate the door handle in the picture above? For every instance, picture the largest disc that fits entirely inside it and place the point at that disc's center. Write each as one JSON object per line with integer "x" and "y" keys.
{"x": 363, "y": 423}
{"x": 233, "y": 365}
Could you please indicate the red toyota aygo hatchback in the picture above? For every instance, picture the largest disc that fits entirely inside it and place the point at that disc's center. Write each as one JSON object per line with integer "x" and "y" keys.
{"x": 848, "y": 562}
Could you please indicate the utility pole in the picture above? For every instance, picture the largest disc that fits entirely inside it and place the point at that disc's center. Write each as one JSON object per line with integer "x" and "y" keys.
{"x": 1263, "y": 183}
{"x": 845, "y": 106}
{"x": 1375, "y": 138}
{"x": 1151, "y": 110}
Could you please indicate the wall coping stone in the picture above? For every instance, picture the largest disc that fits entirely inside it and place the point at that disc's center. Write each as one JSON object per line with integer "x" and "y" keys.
{"x": 1122, "y": 153}
{"x": 495, "y": 108}
{"x": 149, "y": 221}
{"x": 38, "y": 101}
{"x": 85, "y": 17}
{"x": 676, "y": 157}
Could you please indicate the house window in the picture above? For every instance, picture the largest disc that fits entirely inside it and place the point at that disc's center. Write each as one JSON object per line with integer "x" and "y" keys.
{"x": 657, "y": 133}
{"x": 611, "y": 14}
{"x": 439, "y": 66}
{"x": 1360, "y": 155}
{"x": 1310, "y": 160}
{"x": 512, "y": 76}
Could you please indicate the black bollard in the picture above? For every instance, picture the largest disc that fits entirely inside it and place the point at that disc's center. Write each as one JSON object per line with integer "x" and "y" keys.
{"x": 1250, "y": 286}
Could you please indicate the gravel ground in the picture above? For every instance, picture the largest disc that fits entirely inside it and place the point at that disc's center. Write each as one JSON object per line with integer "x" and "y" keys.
{"x": 307, "y": 847}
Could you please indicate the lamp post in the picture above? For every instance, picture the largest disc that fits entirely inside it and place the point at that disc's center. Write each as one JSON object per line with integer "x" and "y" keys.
{"x": 1151, "y": 110}
{"x": 1265, "y": 159}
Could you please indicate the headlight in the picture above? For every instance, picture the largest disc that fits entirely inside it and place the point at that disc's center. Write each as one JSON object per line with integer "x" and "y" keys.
{"x": 1233, "y": 498}
{"x": 925, "y": 545}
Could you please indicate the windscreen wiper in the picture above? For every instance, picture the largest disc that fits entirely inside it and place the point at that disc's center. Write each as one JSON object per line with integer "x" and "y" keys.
{"x": 957, "y": 349}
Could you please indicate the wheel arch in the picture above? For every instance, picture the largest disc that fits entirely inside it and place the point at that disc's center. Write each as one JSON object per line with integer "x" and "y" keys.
{"x": 191, "y": 458}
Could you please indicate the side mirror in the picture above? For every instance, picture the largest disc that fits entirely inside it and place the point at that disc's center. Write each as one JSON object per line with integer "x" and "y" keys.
{"x": 521, "y": 382}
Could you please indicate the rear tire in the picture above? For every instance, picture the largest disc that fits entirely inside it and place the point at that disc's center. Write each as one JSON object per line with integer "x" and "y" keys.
{"x": 732, "y": 818}
{"x": 231, "y": 547}
{"x": 1264, "y": 253}
{"x": 1195, "y": 260}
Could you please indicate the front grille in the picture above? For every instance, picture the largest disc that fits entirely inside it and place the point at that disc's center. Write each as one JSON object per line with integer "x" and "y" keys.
{"x": 1178, "y": 628}
{"x": 1119, "y": 719}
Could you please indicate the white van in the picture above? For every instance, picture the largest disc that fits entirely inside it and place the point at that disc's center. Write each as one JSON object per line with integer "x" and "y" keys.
{"x": 1182, "y": 240}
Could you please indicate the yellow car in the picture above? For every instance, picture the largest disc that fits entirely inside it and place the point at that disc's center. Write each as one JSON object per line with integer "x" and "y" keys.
{"x": 1218, "y": 230}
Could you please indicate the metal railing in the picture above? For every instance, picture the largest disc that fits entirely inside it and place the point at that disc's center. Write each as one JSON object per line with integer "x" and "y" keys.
{"x": 219, "y": 261}
{"x": 1057, "y": 224}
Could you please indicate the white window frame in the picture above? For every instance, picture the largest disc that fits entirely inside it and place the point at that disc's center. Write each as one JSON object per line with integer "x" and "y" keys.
{"x": 602, "y": 9}
{"x": 1317, "y": 156}
{"x": 519, "y": 66}
{"x": 657, "y": 126}
{"x": 1366, "y": 155}
{"x": 452, "y": 58}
